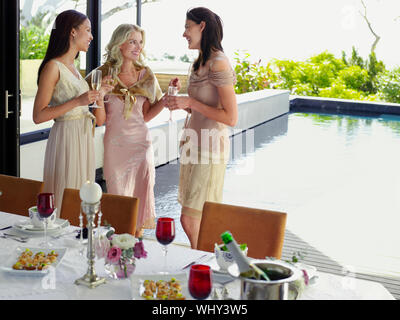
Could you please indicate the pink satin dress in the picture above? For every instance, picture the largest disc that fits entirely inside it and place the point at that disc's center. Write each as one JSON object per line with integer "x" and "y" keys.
{"x": 128, "y": 157}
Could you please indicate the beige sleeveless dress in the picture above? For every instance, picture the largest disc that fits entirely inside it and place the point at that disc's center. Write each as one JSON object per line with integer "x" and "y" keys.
{"x": 69, "y": 158}
{"x": 205, "y": 148}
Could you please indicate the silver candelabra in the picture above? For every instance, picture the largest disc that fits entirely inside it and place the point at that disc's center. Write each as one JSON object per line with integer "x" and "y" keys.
{"x": 90, "y": 279}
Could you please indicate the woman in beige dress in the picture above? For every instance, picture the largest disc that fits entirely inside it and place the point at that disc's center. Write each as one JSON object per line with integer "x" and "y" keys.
{"x": 63, "y": 96}
{"x": 212, "y": 103}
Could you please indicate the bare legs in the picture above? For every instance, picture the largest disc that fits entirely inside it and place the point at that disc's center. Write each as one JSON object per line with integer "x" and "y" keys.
{"x": 191, "y": 226}
{"x": 139, "y": 233}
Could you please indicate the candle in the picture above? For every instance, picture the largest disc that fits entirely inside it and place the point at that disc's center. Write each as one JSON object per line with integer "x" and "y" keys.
{"x": 90, "y": 192}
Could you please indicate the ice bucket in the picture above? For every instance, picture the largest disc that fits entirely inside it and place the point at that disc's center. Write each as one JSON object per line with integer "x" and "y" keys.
{"x": 282, "y": 275}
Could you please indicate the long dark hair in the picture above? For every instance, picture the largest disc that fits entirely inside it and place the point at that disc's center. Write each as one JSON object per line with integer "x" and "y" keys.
{"x": 59, "y": 37}
{"x": 211, "y": 36}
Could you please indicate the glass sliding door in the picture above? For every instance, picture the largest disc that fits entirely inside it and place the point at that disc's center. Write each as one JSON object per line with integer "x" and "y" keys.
{"x": 36, "y": 20}
{"x": 9, "y": 88}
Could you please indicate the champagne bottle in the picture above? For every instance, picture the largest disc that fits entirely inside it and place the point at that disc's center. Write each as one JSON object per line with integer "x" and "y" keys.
{"x": 246, "y": 268}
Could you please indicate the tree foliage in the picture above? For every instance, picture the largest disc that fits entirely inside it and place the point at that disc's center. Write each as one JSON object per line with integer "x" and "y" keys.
{"x": 322, "y": 75}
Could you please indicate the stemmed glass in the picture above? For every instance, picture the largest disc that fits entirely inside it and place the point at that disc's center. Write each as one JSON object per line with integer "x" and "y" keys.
{"x": 172, "y": 91}
{"x": 200, "y": 283}
{"x": 45, "y": 207}
{"x": 112, "y": 74}
{"x": 96, "y": 84}
{"x": 165, "y": 234}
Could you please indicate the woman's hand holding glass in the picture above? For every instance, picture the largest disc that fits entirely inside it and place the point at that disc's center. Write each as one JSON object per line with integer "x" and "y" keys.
{"x": 106, "y": 87}
{"x": 178, "y": 102}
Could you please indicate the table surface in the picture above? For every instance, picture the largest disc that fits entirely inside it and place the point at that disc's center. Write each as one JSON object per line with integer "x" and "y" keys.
{"x": 60, "y": 284}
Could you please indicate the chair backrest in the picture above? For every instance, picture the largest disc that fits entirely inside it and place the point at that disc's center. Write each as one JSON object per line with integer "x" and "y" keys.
{"x": 119, "y": 211}
{"x": 262, "y": 230}
{"x": 17, "y": 195}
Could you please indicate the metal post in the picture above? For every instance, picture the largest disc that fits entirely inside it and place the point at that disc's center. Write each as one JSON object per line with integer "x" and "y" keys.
{"x": 139, "y": 12}
{"x": 93, "y": 56}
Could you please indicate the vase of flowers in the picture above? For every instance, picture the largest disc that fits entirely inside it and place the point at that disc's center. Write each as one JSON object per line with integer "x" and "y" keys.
{"x": 120, "y": 252}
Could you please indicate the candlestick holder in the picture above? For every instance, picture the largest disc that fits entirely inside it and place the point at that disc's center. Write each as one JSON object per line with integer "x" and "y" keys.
{"x": 90, "y": 279}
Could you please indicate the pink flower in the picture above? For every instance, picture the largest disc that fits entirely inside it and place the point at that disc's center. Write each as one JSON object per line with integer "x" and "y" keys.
{"x": 114, "y": 254}
{"x": 139, "y": 251}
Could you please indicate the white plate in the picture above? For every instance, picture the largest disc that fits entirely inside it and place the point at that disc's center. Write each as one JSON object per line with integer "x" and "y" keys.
{"x": 137, "y": 281}
{"x": 29, "y": 228}
{"x": 7, "y": 265}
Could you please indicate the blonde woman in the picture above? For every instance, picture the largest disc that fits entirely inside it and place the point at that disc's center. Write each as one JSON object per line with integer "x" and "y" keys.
{"x": 136, "y": 99}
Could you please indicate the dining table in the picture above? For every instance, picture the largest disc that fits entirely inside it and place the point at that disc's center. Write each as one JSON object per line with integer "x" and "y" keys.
{"x": 59, "y": 284}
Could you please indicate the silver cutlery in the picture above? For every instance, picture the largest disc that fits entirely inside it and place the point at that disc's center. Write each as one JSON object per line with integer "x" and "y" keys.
{"x": 64, "y": 234}
{"x": 194, "y": 262}
{"x": 14, "y": 237}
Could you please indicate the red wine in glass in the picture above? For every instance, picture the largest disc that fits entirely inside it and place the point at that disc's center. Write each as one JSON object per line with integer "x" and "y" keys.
{"x": 165, "y": 234}
{"x": 45, "y": 207}
{"x": 165, "y": 230}
{"x": 200, "y": 283}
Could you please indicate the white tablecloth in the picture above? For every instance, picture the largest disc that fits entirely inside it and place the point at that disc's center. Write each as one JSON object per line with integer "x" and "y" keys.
{"x": 60, "y": 285}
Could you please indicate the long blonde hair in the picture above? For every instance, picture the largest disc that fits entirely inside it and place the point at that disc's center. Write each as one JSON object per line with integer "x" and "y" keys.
{"x": 120, "y": 35}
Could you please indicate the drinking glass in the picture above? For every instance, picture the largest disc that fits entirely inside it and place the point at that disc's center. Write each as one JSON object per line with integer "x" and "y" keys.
{"x": 200, "y": 284}
{"x": 165, "y": 234}
{"x": 112, "y": 73}
{"x": 172, "y": 91}
{"x": 96, "y": 84}
{"x": 45, "y": 207}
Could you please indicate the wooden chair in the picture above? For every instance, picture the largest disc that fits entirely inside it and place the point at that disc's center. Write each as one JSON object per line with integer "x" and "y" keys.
{"x": 17, "y": 195}
{"x": 262, "y": 230}
{"x": 119, "y": 211}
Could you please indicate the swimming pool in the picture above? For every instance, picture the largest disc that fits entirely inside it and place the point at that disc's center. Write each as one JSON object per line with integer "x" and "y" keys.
{"x": 337, "y": 177}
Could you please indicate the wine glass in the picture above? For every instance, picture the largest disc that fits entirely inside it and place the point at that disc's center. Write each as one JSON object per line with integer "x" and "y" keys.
{"x": 200, "y": 284}
{"x": 112, "y": 74}
{"x": 96, "y": 84}
{"x": 172, "y": 91}
{"x": 165, "y": 234}
{"x": 45, "y": 207}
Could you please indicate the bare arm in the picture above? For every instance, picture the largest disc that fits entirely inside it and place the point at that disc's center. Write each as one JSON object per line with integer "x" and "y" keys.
{"x": 47, "y": 82}
{"x": 227, "y": 113}
{"x": 150, "y": 111}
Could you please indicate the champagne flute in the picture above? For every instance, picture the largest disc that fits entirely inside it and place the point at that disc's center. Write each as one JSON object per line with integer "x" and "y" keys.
{"x": 200, "y": 281}
{"x": 112, "y": 74}
{"x": 96, "y": 83}
{"x": 172, "y": 91}
{"x": 165, "y": 234}
{"x": 45, "y": 207}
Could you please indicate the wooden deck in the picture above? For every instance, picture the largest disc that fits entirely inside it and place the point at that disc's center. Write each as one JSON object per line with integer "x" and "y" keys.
{"x": 293, "y": 244}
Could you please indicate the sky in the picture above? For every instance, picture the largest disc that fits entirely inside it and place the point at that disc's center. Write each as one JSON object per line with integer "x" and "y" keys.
{"x": 284, "y": 29}
{"x": 267, "y": 29}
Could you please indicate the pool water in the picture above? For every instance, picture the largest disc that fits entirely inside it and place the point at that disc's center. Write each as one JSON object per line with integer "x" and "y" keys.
{"x": 336, "y": 176}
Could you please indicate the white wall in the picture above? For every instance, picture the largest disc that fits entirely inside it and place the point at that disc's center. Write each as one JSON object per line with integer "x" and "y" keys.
{"x": 254, "y": 108}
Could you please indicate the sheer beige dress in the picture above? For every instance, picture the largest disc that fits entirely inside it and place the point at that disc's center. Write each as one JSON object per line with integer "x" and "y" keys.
{"x": 69, "y": 159}
{"x": 205, "y": 142}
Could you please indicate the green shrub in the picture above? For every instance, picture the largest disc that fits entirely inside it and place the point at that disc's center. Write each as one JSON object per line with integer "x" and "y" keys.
{"x": 322, "y": 75}
{"x": 354, "y": 77}
{"x": 389, "y": 85}
{"x": 33, "y": 42}
{"x": 252, "y": 76}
